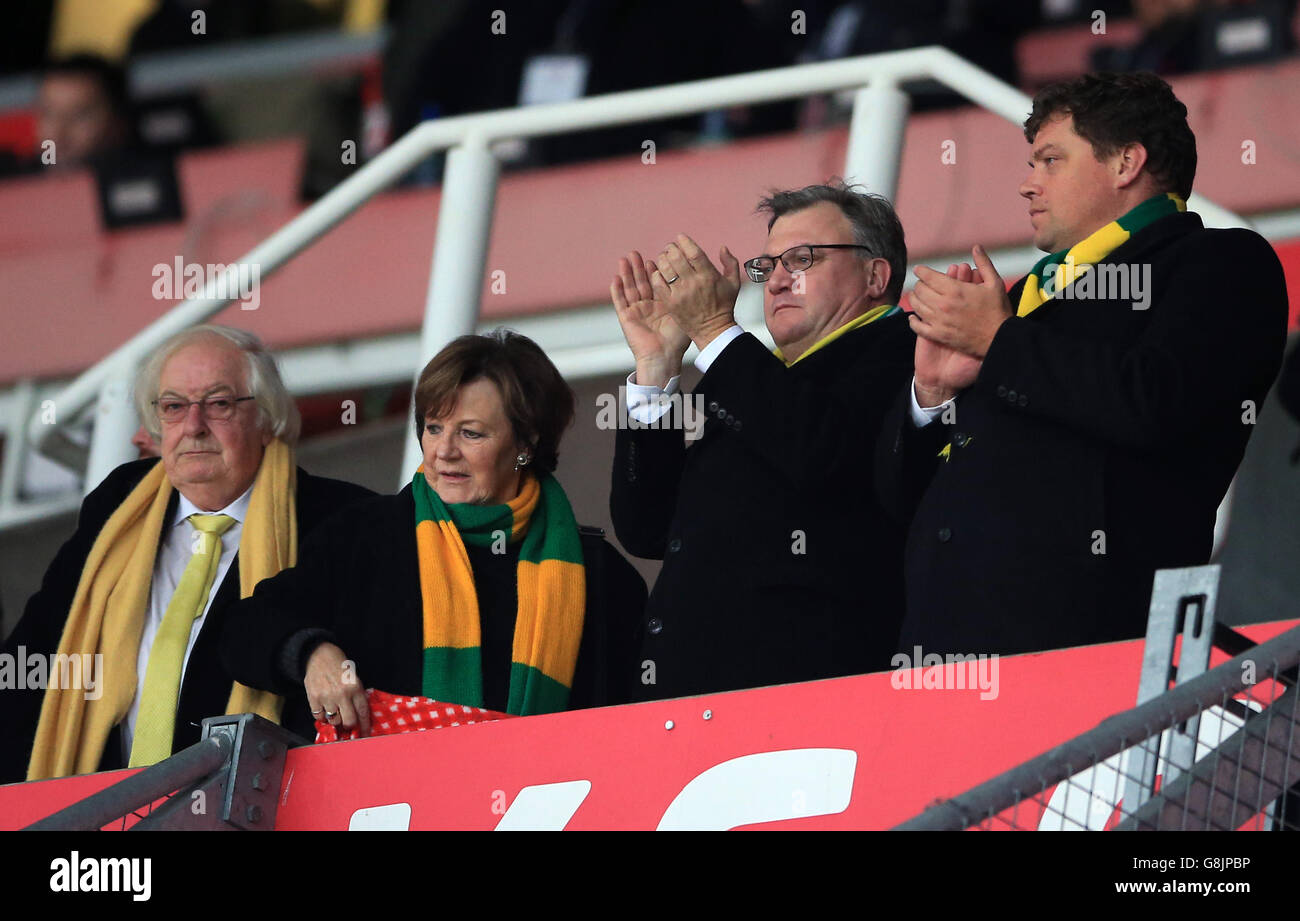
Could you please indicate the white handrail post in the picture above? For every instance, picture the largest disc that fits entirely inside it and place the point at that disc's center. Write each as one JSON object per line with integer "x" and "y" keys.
{"x": 16, "y": 445}
{"x": 469, "y": 188}
{"x": 110, "y": 436}
{"x": 876, "y": 137}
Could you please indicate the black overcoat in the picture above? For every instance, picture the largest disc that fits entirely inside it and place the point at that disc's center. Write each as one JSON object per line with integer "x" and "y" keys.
{"x": 779, "y": 564}
{"x": 1093, "y": 449}
{"x": 206, "y": 686}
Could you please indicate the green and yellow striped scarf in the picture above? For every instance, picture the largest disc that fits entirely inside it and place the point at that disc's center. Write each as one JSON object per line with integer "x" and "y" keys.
{"x": 551, "y": 587}
{"x": 1079, "y": 258}
{"x": 871, "y": 316}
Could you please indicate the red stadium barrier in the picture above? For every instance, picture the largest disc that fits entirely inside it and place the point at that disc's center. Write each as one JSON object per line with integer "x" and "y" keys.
{"x": 846, "y": 753}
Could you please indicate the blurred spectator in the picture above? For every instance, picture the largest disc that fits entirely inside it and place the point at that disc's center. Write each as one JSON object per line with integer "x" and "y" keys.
{"x": 25, "y": 38}
{"x": 82, "y": 107}
{"x": 445, "y": 59}
{"x": 84, "y": 120}
{"x": 1182, "y": 36}
{"x": 636, "y": 44}
{"x": 145, "y": 444}
{"x": 458, "y": 57}
{"x": 172, "y": 25}
{"x": 1057, "y": 12}
{"x": 982, "y": 31}
{"x": 323, "y": 111}
{"x": 1167, "y": 44}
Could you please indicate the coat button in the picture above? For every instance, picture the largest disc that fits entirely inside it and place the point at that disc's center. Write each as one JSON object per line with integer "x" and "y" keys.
{"x": 730, "y": 420}
{"x": 1002, "y": 390}
{"x": 721, "y": 413}
{"x": 736, "y": 426}
{"x": 1023, "y": 400}
{"x": 713, "y": 406}
{"x": 674, "y": 545}
{"x": 960, "y": 439}
{"x": 945, "y": 535}
{"x": 1011, "y": 396}
{"x": 655, "y": 625}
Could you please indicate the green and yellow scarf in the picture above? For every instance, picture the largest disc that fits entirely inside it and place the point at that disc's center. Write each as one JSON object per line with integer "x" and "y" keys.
{"x": 871, "y": 316}
{"x": 1079, "y": 258}
{"x": 551, "y": 588}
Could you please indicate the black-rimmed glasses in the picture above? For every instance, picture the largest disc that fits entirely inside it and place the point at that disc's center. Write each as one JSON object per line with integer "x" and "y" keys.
{"x": 215, "y": 409}
{"x": 795, "y": 259}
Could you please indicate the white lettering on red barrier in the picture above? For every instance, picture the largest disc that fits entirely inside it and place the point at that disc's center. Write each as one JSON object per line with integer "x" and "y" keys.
{"x": 394, "y": 817}
{"x": 545, "y": 807}
{"x": 749, "y": 790}
{"x": 766, "y": 787}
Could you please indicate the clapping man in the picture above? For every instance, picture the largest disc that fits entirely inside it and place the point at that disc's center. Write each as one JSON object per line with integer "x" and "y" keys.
{"x": 1060, "y": 443}
{"x": 779, "y": 564}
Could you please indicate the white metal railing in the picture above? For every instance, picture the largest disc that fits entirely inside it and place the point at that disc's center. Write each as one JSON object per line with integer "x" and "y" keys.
{"x": 876, "y": 128}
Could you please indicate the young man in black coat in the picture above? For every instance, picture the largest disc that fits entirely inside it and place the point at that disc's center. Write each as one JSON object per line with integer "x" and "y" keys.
{"x": 1064, "y": 441}
{"x": 215, "y": 402}
{"x": 779, "y": 564}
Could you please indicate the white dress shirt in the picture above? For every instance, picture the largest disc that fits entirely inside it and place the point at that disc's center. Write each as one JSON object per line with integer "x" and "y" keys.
{"x": 646, "y": 402}
{"x": 924, "y": 415}
{"x": 175, "y": 550}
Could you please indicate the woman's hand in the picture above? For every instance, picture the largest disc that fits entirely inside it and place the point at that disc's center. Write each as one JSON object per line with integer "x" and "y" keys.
{"x": 334, "y": 690}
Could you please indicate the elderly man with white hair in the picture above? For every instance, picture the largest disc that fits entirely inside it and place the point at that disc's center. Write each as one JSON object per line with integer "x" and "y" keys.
{"x": 162, "y": 549}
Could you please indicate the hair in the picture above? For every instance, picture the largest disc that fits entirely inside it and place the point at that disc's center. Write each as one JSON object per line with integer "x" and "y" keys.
{"x": 538, "y": 403}
{"x": 1111, "y": 110}
{"x": 277, "y": 413}
{"x": 110, "y": 77}
{"x": 872, "y": 217}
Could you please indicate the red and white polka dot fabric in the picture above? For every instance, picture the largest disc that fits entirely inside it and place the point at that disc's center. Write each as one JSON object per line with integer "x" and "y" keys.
{"x": 393, "y": 713}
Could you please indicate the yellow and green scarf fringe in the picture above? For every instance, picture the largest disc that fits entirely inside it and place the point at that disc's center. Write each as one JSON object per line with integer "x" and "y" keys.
{"x": 551, "y": 590}
{"x": 1079, "y": 258}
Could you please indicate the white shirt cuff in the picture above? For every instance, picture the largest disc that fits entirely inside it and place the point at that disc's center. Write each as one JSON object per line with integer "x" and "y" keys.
{"x": 924, "y": 415}
{"x": 709, "y": 354}
{"x": 646, "y": 402}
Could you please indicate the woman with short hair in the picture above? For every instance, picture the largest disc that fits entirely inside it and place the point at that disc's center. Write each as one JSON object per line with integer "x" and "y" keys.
{"x": 473, "y": 585}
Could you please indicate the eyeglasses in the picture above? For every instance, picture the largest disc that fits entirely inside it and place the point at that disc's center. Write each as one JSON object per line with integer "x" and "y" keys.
{"x": 795, "y": 259}
{"x": 214, "y": 409}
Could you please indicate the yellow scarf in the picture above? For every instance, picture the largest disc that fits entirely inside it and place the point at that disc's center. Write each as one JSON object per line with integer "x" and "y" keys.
{"x": 1079, "y": 258}
{"x": 112, "y": 600}
{"x": 871, "y": 316}
{"x": 1064, "y": 267}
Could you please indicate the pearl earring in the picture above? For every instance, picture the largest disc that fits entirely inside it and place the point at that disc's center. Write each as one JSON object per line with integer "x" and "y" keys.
{"x": 521, "y": 460}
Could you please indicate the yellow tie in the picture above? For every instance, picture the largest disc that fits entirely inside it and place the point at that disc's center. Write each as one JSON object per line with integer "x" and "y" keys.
{"x": 156, "y": 723}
